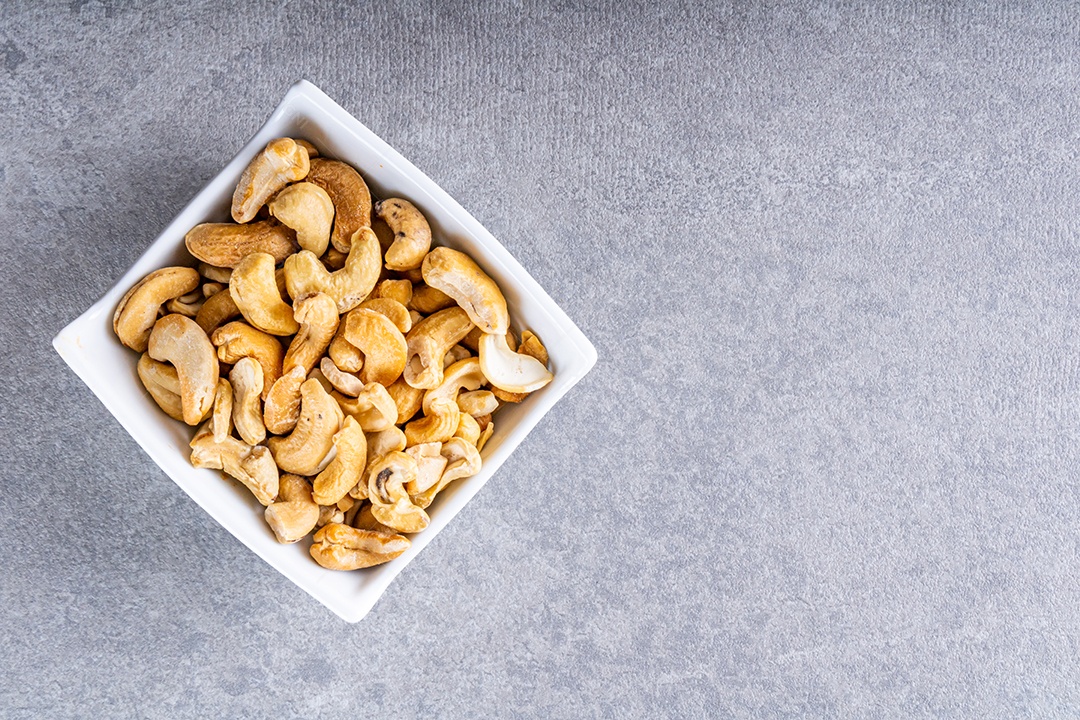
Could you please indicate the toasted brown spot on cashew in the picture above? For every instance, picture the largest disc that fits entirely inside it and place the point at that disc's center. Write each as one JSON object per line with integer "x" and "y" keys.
{"x": 306, "y": 275}
{"x": 457, "y": 275}
{"x": 238, "y": 340}
{"x": 339, "y": 547}
{"x": 138, "y": 309}
{"x": 304, "y": 451}
{"x": 253, "y": 466}
{"x": 246, "y": 377}
{"x": 307, "y": 209}
{"x": 163, "y": 384}
{"x": 178, "y": 340}
{"x": 224, "y": 245}
{"x": 281, "y": 162}
{"x": 344, "y": 471}
{"x": 350, "y": 195}
{"x": 295, "y": 513}
{"x": 382, "y": 344}
{"x": 217, "y": 309}
{"x": 439, "y": 425}
{"x": 412, "y": 234}
{"x": 254, "y": 290}
{"x": 428, "y": 343}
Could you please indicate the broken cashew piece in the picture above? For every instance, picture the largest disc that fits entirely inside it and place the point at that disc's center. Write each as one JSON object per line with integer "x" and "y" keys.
{"x": 485, "y": 434}
{"x": 224, "y": 245}
{"x": 345, "y": 470}
{"x": 372, "y": 407}
{"x": 439, "y": 425}
{"x": 340, "y": 547}
{"x": 178, "y": 340}
{"x": 281, "y": 162}
{"x": 306, "y": 450}
{"x": 455, "y": 354}
{"x": 350, "y": 195}
{"x": 478, "y": 403}
{"x": 138, "y": 309}
{"x": 468, "y": 429}
{"x": 457, "y": 275}
{"x": 221, "y": 423}
{"x": 383, "y": 345}
{"x": 238, "y": 340}
{"x": 412, "y": 234}
{"x": 247, "y": 384}
{"x": 254, "y": 290}
{"x": 510, "y": 371}
{"x": 429, "y": 466}
{"x": 281, "y": 409}
{"x": 463, "y": 460}
{"x": 428, "y": 343}
{"x": 307, "y": 209}
{"x": 163, "y": 384}
{"x": 295, "y": 513}
{"x": 306, "y": 275}
{"x": 253, "y": 466}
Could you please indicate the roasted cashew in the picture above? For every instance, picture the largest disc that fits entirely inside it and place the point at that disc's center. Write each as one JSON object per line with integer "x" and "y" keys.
{"x": 186, "y": 305}
{"x": 364, "y": 520}
{"x": 439, "y": 425}
{"x": 254, "y": 290}
{"x": 428, "y": 343}
{"x": 318, "y": 319}
{"x": 477, "y": 403}
{"x": 345, "y": 355}
{"x": 400, "y": 290}
{"x": 467, "y": 429}
{"x": 412, "y": 234}
{"x": 221, "y": 423}
{"x": 312, "y": 151}
{"x": 138, "y": 309}
{"x": 350, "y": 195}
{"x": 178, "y": 340}
{"x": 305, "y": 274}
{"x": 217, "y": 309}
{"x": 281, "y": 409}
{"x": 163, "y": 384}
{"x": 485, "y": 434}
{"x": 462, "y": 375}
{"x": 455, "y": 354}
{"x": 329, "y": 514}
{"x": 210, "y": 289}
{"x": 216, "y": 274}
{"x": 463, "y": 460}
{"x": 317, "y": 374}
{"x": 344, "y": 471}
{"x": 238, "y": 340}
{"x": 407, "y": 398}
{"x": 295, "y": 513}
{"x": 393, "y": 310}
{"x": 387, "y": 441}
{"x": 510, "y": 371}
{"x": 224, "y": 245}
{"x": 253, "y": 466}
{"x": 281, "y": 162}
{"x": 339, "y": 547}
{"x": 372, "y": 407}
{"x": 457, "y": 275}
{"x": 472, "y": 340}
{"x": 307, "y": 209}
{"x": 426, "y": 299}
{"x": 391, "y": 505}
{"x": 382, "y": 344}
{"x": 429, "y": 466}
{"x": 306, "y": 450}
{"x": 247, "y": 384}
{"x": 345, "y": 383}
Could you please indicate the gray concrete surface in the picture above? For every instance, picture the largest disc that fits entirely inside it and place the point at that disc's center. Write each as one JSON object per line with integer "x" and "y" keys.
{"x": 827, "y": 464}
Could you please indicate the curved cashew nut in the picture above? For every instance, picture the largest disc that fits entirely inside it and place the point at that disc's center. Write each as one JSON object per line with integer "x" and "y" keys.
{"x": 510, "y": 371}
{"x": 429, "y": 466}
{"x": 439, "y": 425}
{"x": 253, "y": 466}
{"x": 295, "y": 513}
{"x": 393, "y": 310}
{"x": 210, "y": 289}
{"x": 391, "y": 505}
{"x": 412, "y": 234}
{"x": 221, "y": 418}
{"x": 163, "y": 384}
{"x": 531, "y": 346}
{"x": 350, "y": 195}
{"x": 238, "y": 340}
{"x": 217, "y": 309}
{"x": 306, "y": 451}
{"x": 463, "y": 460}
{"x": 281, "y": 162}
{"x": 344, "y": 354}
{"x": 462, "y": 375}
{"x": 247, "y": 384}
{"x": 307, "y": 209}
{"x": 305, "y": 274}
{"x": 468, "y": 429}
{"x": 178, "y": 340}
{"x": 281, "y": 409}
{"x": 254, "y": 290}
{"x": 373, "y": 407}
{"x": 472, "y": 340}
{"x": 457, "y": 275}
{"x": 427, "y": 300}
{"x": 379, "y": 444}
{"x": 478, "y": 403}
{"x": 407, "y": 398}
{"x": 224, "y": 245}
{"x": 428, "y": 343}
{"x": 186, "y": 305}
{"x": 318, "y": 319}
{"x": 215, "y": 274}
{"x": 345, "y": 383}
{"x": 400, "y": 290}
{"x": 339, "y": 547}
{"x": 382, "y": 344}
{"x": 344, "y": 471}
{"x": 138, "y": 309}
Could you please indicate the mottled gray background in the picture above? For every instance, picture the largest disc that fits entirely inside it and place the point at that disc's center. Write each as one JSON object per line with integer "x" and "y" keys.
{"x": 827, "y": 463}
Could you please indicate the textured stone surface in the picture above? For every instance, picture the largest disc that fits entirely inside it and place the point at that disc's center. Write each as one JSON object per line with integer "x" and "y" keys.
{"x": 826, "y": 464}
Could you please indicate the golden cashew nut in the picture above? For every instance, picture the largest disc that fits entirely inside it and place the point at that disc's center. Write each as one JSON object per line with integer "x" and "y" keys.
{"x": 400, "y": 290}
{"x": 344, "y": 471}
{"x": 345, "y": 383}
{"x": 178, "y": 340}
{"x": 163, "y": 384}
{"x": 217, "y": 309}
{"x": 429, "y": 466}
{"x": 391, "y": 505}
{"x": 468, "y": 429}
{"x": 439, "y": 425}
{"x": 350, "y": 195}
{"x": 382, "y": 344}
{"x": 281, "y": 162}
{"x": 455, "y": 354}
{"x": 394, "y": 311}
{"x": 412, "y": 234}
{"x": 462, "y": 375}
{"x": 186, "y": 305}
{"x": 463, "y": 460}
{"x": 485, "y": 434}
{"x": 254, "y": 290}
{"x": 238, "y": 340}
{"x": 224, "y": 245}
{"x": 428, "y": 343}
{"x": 307, "y": 209}
{"x": 138, "y": 309}
{"x": 246, "y": 377}
{"x": 457, "y": 275}
{"x": 345, "y": 355}
{"x": 253, "y": 466}
{"x": 339, "y": 547}
{"x": 295, "y": 513}
{"x": 306, "y": 275}
{"x": 407, "y": 398}
{"x": 478, "y": 403}
{"x": 427, "y": 300}
{"x": 214, "y": 273}
{"x": 306, "y": 450}
{"x": 372, "y": 407}
{"x": 318, "y": 319}
{"x": 221, "y": 424}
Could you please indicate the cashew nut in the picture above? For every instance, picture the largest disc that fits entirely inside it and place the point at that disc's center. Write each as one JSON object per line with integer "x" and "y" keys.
{"x": 345, "y": 383}
{"x": 138, "y": 309}
{"x": 485, "y": 434}
{"x": 317, "y": 374}
{"x": 429, "y": 466}
{"x": 238, "y": 340}
{"x": 281, "y": 162}
{"x": 407, "y": 398}
{"x": 306, "y": 450}
{"x": 214, "y": 273}
{"x": 178, "y": 340}
{"x": 393, "y": 310}
{"x": 344, "y": 471}
{"x": 334, "y": 259}
{"x": 467, "y": 429}
{"x": 295, "y": 513}
{"x": 372, "y": 407}
{"x": 312, "y": 151}
{"x": 247, "y": 384}
{"x": 457, "y": 275}
{"x": 439, "y": 425}
{"x": 217, "y": 309}
{"x": 455, "y": 354}
{"x": 221, "y": 418}
{"x": 253, "y": 466}
{"x": 384, "y": 442}
{"x": 382, "y": 344}
{"x": 329, "y": 514}
{"x": 477, "y": 403}
{"x": 508, "y": 370}
{"x": 210, "y": 289}
{"x": 163, "y": 384}
{"x": 318, "y": 319}
{"x": 531, "y": 346}
{"x": 350, "y": 195}
{"x": 463, "y": 460}
{"x": 391, "y": 505}
{"x": 400, "y": 290}
{"x": 254, "y": 290}
{"x": 281, "y": 408}
{"x": 307, "y": 209}
{"x": 186, "y": 305}
{"x": 427, "y": 300}
{"x": 305, "y": 274}
{"x": 428, "y": 343}
{"x": 412, "y": 234}
{"x": 462, "y": 375}
{"x": 344, "y": 354}
{"x": 339, "y": 547}
{"x": 364, "y": 520}
{"x": 472, "y": 340}
{"x": 224, "y": 245}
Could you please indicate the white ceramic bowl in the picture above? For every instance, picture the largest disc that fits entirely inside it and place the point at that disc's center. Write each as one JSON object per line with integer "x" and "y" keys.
{"x": 89, "y": 346}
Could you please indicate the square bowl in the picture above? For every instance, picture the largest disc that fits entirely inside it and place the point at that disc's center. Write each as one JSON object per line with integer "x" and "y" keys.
{"x": 90, "y": 348}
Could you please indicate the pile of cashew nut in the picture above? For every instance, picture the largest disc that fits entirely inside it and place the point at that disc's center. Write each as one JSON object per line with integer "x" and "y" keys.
{"x": 333, "y": 362}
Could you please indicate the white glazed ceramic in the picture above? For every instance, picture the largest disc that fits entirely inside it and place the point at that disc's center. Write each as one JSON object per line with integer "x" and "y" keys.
{"x": 89, "y": 346}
